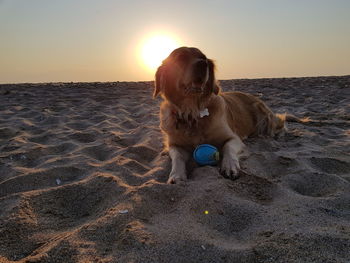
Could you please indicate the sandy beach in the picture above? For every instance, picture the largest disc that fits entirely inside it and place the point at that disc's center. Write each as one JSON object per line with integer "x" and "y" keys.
{"x": 83, "y": 179}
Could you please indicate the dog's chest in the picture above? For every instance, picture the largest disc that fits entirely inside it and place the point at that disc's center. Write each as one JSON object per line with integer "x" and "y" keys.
{"x": 193, "y": 131}
{"x": 189, "y": 131}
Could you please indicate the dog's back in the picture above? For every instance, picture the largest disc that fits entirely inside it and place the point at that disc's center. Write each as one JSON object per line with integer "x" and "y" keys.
{"x": 249, "y": 116}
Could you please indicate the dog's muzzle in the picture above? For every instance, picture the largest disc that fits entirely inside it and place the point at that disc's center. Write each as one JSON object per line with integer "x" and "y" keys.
{"x": 199, "y": 76}
{"x": 200, "y": 71}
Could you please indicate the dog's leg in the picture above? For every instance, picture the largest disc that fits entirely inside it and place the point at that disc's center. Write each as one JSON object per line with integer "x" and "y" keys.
{"x": 179, "y": 157}
{"x": 230, "y": 163}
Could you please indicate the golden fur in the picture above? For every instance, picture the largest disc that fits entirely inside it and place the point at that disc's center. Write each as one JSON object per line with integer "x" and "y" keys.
{"x": 186, "y": 81}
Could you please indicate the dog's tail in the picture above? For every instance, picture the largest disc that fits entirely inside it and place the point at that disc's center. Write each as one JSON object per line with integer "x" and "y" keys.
{"x": 293, "y": 118}
{"x": 280, "y": 120}
{"x": 286, "y": 117}
{"x": 274, "y": 124}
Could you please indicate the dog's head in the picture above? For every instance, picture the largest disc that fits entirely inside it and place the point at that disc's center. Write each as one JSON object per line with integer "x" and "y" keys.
{"x": 185, "y": 72}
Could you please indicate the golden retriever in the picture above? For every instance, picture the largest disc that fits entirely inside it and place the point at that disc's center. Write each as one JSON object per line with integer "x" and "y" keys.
{"x": 194, "y": 112}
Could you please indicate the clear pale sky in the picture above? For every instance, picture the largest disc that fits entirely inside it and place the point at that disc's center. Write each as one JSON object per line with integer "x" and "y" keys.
{"x": 99, "y": 40}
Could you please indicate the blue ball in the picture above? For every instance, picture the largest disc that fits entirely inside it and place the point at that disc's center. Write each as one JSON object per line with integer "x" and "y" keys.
{"x": 206, "y": 154}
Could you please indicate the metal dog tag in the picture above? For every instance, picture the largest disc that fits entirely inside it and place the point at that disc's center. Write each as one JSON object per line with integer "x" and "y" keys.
{"x": 203, "y": 113}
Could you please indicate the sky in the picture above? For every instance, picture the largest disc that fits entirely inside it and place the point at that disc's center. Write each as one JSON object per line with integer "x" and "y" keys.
{"x": 100, "y": 40}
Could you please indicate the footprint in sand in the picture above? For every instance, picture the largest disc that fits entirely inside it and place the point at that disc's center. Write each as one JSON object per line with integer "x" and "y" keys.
{"x": 315, "y": 184}
{"x": 41, "y": 180}
{"x": 64, "y": 208}
{"x": 7, "y": 133}
{"x": 330, "y": 165}
{"x": 39, "y": 154}
{"x": 74, "y": 204}
{"x": 80, "y": 126}
{"x": 253, "y": 188}
{"x": 83, "y": 137}
{"x": 141, "y": 153}
{"x": 225, "y": 217}
{"x": 100, "y": 152}
{"x": 122, "y": 139}
{"x": 42, "y": 138}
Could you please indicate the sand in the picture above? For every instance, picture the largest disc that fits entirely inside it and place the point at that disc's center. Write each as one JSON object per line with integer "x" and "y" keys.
{"x": 83, "y": 179}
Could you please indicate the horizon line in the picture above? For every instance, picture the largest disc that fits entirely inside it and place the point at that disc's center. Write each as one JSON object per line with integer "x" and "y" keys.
{"x": 125, "y": 81}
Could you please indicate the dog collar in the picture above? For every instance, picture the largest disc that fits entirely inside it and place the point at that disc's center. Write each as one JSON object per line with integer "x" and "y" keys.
{"x": 202, "y": 113}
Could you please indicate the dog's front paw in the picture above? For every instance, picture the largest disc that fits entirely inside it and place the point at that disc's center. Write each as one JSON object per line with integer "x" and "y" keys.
{"x": 230, "y": 168}
{"x": 175, "y": 178}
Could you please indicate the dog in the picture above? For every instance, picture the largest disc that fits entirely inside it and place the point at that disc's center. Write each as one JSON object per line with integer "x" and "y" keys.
{"x": 194, "y": 111}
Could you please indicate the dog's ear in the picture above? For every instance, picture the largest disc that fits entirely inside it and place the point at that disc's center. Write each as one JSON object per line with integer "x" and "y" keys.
{"x": 159, "y": 79}
{"x": 213, "y": 85}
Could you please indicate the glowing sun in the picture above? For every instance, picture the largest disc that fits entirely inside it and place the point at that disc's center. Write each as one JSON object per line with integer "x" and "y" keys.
{"x": 155, "y": 49}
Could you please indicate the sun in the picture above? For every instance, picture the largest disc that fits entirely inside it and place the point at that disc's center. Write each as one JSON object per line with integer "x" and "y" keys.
{"x": 156, "y": 48}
